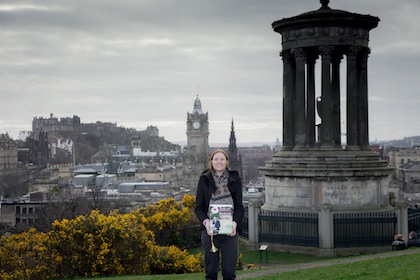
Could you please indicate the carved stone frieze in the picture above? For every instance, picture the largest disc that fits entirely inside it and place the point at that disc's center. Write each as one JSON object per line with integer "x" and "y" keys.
{"x": 335, "y": 35}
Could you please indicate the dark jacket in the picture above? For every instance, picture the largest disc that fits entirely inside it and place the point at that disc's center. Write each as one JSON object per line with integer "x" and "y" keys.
{"x": 413, "y": 242}
{"x": 206, "y": 187}
{"x": 398, "y": 245}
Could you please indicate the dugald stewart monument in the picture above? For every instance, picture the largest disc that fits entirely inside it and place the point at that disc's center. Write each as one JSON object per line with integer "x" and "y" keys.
{"x": 330, "y": 194}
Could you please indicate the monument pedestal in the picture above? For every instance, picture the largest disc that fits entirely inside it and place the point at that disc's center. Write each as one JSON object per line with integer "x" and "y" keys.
{"x": 343, "y": 179}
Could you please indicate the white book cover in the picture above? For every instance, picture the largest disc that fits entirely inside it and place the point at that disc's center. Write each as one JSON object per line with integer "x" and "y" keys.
{"x": 221, "y": 217}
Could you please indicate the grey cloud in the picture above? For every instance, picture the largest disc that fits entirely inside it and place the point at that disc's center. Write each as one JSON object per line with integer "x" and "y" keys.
{"x": 139, "y": 63}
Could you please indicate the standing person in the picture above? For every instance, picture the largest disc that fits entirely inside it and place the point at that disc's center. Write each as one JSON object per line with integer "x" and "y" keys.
{"x": 219, "y": 185}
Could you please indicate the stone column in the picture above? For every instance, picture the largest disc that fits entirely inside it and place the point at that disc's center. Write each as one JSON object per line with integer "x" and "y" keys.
{"x": 288, "y": 92}
{"x": 352, "y": 98}
{"x": 326, "y": 231}
{"x": 336, "y": 112}
{"x": 402, "y": 218}
{"x": 254, "y": 209}
{"x": 363, "y": 119}
{"x": 310, "y": 99}
{"x": 326, "y": 111}
{"x": 300, "y": 110}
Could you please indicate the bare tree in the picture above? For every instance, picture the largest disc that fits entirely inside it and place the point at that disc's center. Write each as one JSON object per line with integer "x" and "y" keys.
{"x": 61, "y": 204}
{"x": 13, "y": 183}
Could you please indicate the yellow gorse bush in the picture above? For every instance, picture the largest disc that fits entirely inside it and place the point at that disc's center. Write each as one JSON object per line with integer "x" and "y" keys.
{"x": 168, "y": 260}
{"x": 25, "y": 256}
{"x": 98, "y": 244}
{"x": 169, "y": 214}
{"x": 188, "y": 201}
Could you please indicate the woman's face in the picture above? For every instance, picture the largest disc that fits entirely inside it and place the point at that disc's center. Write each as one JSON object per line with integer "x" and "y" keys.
{"x": 219, "y": 162}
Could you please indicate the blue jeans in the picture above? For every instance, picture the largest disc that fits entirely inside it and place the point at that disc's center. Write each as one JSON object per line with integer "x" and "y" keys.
{"x": 227, "y": 251}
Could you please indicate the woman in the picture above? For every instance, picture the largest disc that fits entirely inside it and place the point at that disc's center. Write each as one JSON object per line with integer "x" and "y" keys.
{"x": 219, "y": 185}
{"x": 398, "y": 243}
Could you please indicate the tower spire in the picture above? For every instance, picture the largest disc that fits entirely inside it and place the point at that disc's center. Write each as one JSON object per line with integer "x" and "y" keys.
{"x": 233, "y": 149}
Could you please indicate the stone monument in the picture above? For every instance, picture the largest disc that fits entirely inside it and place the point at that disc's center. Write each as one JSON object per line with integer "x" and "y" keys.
{"x": 315, "y": 171}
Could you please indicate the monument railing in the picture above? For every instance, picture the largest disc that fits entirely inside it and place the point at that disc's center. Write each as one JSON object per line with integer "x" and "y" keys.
{"x": 364, "y": 229}
{"x": 344, "y": 230}
{"x": 414, "y": 220}
{"x": 299, "y": 229}
{"x": 244, "y": 226}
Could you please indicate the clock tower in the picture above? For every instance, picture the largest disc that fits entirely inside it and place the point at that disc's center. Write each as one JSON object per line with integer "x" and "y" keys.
{"x": 197, "y": 153}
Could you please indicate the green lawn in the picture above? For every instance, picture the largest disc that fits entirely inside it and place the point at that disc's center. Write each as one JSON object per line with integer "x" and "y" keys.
{"x": 397, "y": 267}
{"x": 394, "y": 267}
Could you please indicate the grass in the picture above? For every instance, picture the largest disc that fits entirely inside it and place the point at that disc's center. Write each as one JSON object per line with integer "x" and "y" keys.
{"x": 254, "y": 257}
{"x": 397, "y": 267}
{"x": 394, "y": 267}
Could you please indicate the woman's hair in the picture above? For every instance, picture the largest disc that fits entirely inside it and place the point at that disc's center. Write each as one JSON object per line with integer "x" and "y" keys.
{"x": 399, "y": 237}
{"x": 215, "y": 152}
{"x": 412, "y": 235}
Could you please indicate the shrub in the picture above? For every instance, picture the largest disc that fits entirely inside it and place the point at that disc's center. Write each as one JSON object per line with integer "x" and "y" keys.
{"x": 169, "y": 260}
{"x": 25, "y": 256}
{"x": 97, "y": 244}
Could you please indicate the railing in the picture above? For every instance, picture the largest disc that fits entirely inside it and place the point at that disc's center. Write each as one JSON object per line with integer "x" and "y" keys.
{"x": 414, "y": 220}
{"x": 289, "y": 228}
{"x": 364, "y": 229}
{"x": 244, "y": 225}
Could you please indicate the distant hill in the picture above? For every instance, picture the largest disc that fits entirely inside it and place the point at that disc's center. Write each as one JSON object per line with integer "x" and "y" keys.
{"x": 406, "y": 142}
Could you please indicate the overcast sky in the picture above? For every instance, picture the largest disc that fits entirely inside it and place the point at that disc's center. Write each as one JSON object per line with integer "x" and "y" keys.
{"x": 140, "y": 63}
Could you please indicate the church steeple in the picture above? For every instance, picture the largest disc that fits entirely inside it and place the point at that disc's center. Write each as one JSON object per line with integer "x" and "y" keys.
{"x": 232, "y": 139}
{"x": 233, "y": 150}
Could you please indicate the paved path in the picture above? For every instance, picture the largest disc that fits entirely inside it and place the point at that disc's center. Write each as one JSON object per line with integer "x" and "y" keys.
{"x": 283, "y": 268}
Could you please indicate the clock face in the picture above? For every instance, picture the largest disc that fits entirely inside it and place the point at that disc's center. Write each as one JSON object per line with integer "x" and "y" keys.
{"x": 196, "y": 125}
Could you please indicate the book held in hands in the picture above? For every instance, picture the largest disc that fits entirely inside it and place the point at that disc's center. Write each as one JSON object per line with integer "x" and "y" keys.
{"x": 221, "y": 218}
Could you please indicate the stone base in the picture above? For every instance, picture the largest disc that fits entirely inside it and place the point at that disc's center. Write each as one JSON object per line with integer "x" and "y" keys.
{"x": 342, "y": 179}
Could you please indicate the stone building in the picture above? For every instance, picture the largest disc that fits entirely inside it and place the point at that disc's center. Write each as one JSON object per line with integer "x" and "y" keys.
{"x": 399, "y": 157}
{"x": 8, "y": 153}
{"x": 251, "y": 159}
{"x": 53, "y": 124}
{"x": 19, "y": 212}
{"x": 408, "y": 177}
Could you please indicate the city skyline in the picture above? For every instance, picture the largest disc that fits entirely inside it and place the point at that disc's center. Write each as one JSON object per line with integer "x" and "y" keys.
{"x": 142, "y": 63}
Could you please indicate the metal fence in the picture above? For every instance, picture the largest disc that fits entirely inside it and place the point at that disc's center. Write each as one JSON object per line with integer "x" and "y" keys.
{"x": 299, "y": 229}
{"x": 350, "y": 229}
{"x": 244, "y": 224}
{"x": 414, "y": 220}
{"x": 364, "y": 229}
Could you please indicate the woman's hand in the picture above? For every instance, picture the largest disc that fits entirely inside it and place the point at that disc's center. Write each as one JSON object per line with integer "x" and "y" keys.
{"x": 206, "y": 224}
{"x": 234, "y": 226}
